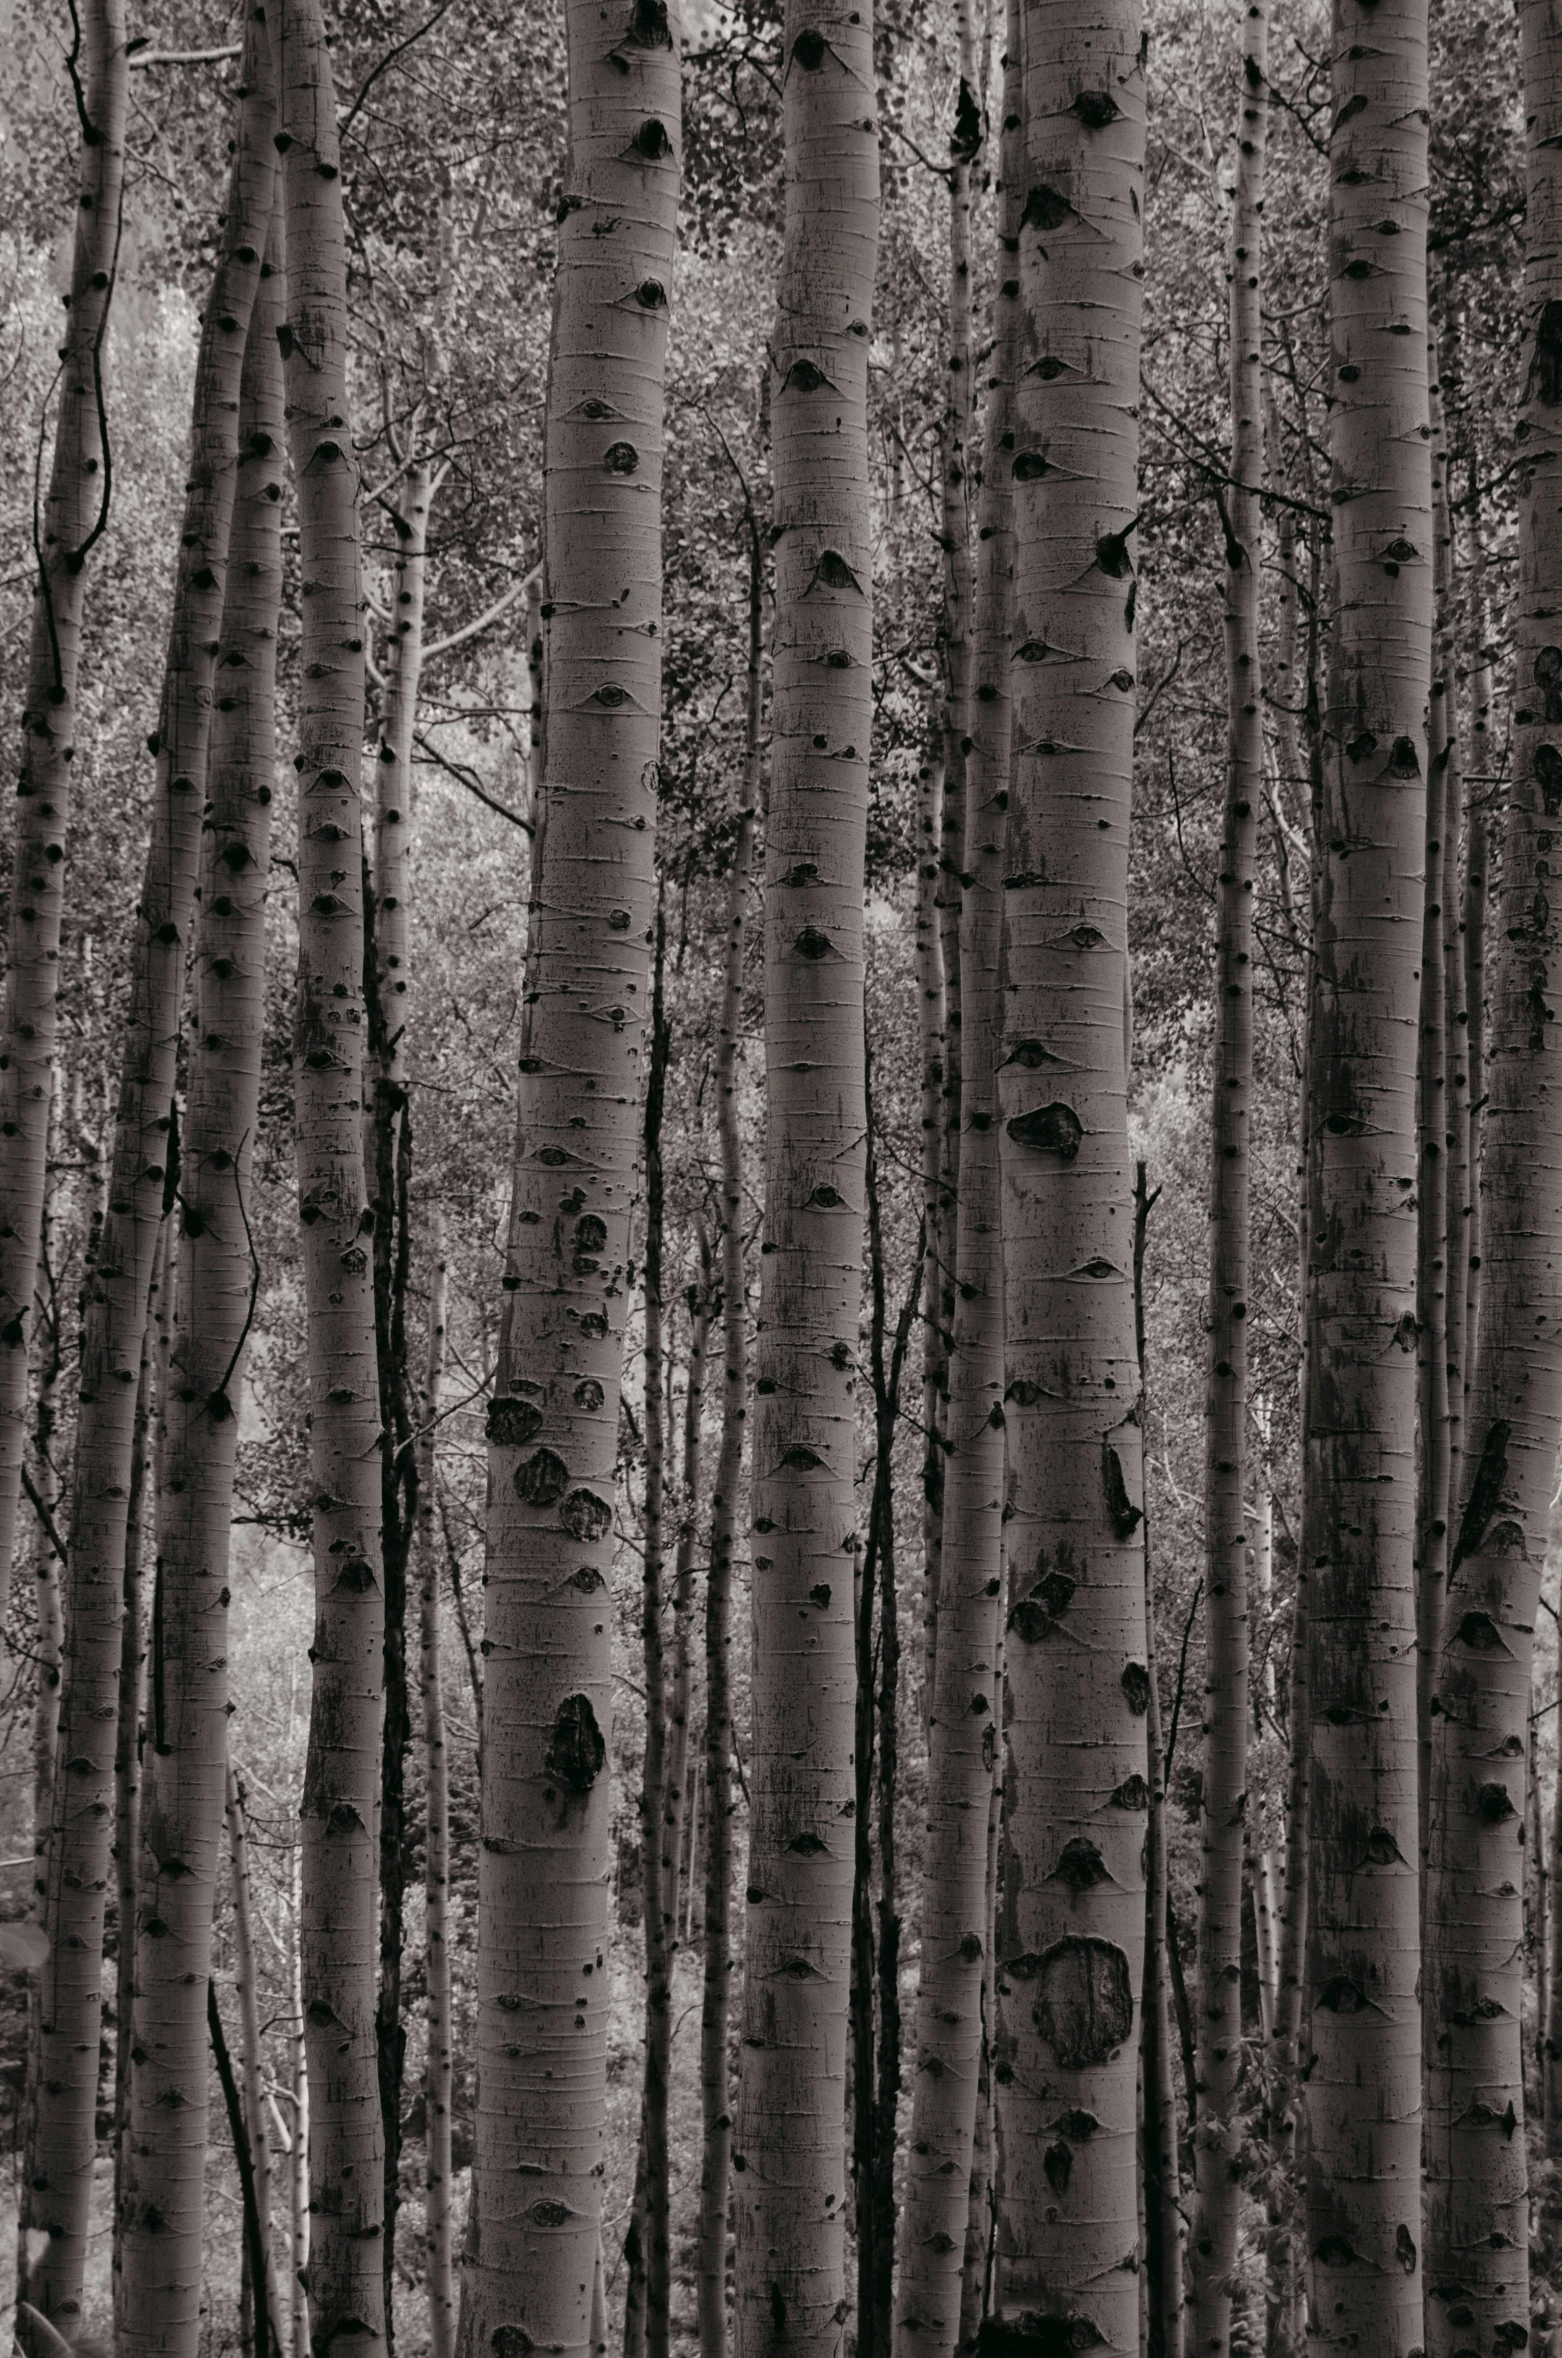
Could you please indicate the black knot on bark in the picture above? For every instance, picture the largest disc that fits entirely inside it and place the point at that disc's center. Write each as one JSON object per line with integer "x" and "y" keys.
{"x": 576, "y": 1750}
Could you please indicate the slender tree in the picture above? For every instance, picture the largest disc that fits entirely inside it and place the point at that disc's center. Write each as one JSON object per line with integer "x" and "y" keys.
{"x": 215, "y": 1279}
{"x": 59, "y": 2180}
{"x": 790, "y": 2249}
{"x": 65, "y": 531}
{"x": 439, "y": 2065}
{"x": 553, "y": 1420}
{"x": 1072, "y": 1908}
{"x": 1358, "y": 1540}
{"x": 1477, "y": 2219}
{"x": 716, "y": 1995}
{"x": 257, "y": 2129}
{"x": 966, "y": 1715}
{"x": 339, "y": 1814}
{"x": 1217, "y": 2145}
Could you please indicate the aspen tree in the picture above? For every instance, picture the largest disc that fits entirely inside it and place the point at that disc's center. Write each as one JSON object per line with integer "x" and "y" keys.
{"x": 716, "y": 1994}
{"x": 933, "y": 1028}
{"x": 73, "y": 516}
{"x": 966, "y": 1710}
{"x": 553, "y": 1420}
{"x": 439, "y": 2066}
{"x": 214, "y": 1280}
{"x": 256, "y": 2127}
{"x": 339, "y": 1814}
{"x": 59, "y": 2179}
{"x": 1358, "y": 1541}
{"x": 1071, "y": 1917}
{"x": 1477, "y": 2217}
{"x": 790, "y": 2252}
{"x": 1217, "y": 2143}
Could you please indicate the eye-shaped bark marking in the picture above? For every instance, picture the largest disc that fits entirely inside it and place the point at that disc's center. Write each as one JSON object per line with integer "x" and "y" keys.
{"x": 1045, "y": 208}
{"x": 1095, "y": 109}
{"x": 1080, "y": 1865}
{"x": 808, "y": 51}
{"x": 512, "y": 1422}
{"x": 1050, "y": 1129}
{"x": 576, "y": 1749}
{"x": 1126, "y": 1517}
{"x": 1486, "y": 1489}
{"x": 804, "y": 376}
{"x": 1084, "y": 2002}
{"x": 1545, "y": 368}
{"x": 651, "y": 143}
{"x": 833, "y": 572}
{"x": 585, "y": 1516}
{"x": 541, "y": 1479}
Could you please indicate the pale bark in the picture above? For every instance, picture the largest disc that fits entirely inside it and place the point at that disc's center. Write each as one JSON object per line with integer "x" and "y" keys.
{"x": 544, "y": 1886}
{"x": 715, "y": 2092}
{"x": 214, "y": 1277}
{"x": 932, "y": 1021}
{"x": 1477, "y": 2217}
{"x": 966, "y": 1706}
{"x": 439, "y": 2254}
{"x": 151, "y": 1392}
{"x": 1072, "y": 1906}
{"x": 790, "y": 2244}
{"x": 1217, "y": 2144}
{"x": 74, "y": 511}
{"x": 59, "y": 2183}
{"x": 339, "y": 1813}
{"x": 1268, "y": 1868}
{"x": 1358, "y": 1540}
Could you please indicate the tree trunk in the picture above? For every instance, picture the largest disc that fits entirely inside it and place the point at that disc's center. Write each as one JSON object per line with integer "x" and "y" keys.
{"x": 933, "y": 1028}
{"x": 1477, "y": 2221}
{"x": 339, "y": 1815}
{"x": 1267, "y": 1872}
{"x": 966, "y": 1709}
{"x": 1072, "y": 1905}
{"x": 677, "y": 1883}
{"x": 1217, "y": 2148}
{"x": 790, "y": 2248}
{"x": 553, "y": 1420}
{"x": 74, "y": 513}
{"x": 388, "y": 1165}
{"x": 214, "y": 1279}
{"x": 439, "y": 2068}
{"x": 255, "y": 2123}
{"x": 1362, "y": 1990}
{"x": 715, "y": 2094}
{"x": 298, "y": 2176}
{"x": 59, "y": 2183}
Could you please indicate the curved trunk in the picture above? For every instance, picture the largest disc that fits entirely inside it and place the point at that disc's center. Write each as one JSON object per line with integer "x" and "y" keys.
{"x": 966, "y": 1710}
{"x": 439, "y": 2068}
{"x": 1217, "y": 2144}
{"x": 214, "y": 1278}
{"x": 339, "y": 1813}
{"x": 59, "y": 2185}
{"x": 1072, "y": 1907}
{"x": 1477, "y": 2226}
{"x": 74, "y": 513}
{"x": 715, "y": 2093}
{"x": 790, "y": 2198}
{"x": 1358, "y": 1538}
{"x": 553, "y": 1421}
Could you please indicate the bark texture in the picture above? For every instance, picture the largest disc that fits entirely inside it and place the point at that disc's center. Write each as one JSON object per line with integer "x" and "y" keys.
{"x": 214, "y": 1280}
{"x": 966, "y": 1715}
{"x": 1071, "y": 1910}
{"x": 789, "y": 2198}
{"x": 73, "y": 515}
{"x": 339, "y": 1816}
{"x": 439, "y": 2253}
{"x": 59, "y": 2183}
{"x": 1363, "y": 2042}
{"x": 1217, "y": 2144}
{"x": 553, "y": 1421}
{"x": 1477, "y": 2217}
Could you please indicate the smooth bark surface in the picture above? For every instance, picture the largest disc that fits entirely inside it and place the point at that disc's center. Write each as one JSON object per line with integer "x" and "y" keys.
{"x": 1071, "y": 1918}
{"x": 439, "y": 2068}
{"x": 544, "y": 1889}
{"x": 790, "y": 2186}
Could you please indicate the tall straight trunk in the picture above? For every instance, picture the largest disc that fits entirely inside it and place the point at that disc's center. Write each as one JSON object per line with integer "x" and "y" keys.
{"x": 388, "y": 1162}
{"x": 1165, "y": 2308}
{"x": 1358, "y": 1537}
{"x": 1461, "y": 826}
{"x": 646, "y": 2251}
{"x": 1072, "y": 1909}
{"x": 933, "y": 1019}
{"x": 715, "y": 2094}
{"x": 68, "y": 527}
{"x": 553, "y": 1420}
{"x": 1477, "y": 2225}
{"x": 298, "y": 2175}
{"x": 214, "y": 1277}
{"x": 1267, "y": 1866}
{"x": 790, "y": 2227}
{"x": 256, "y": 2125}
{"x": 678, "y": 1883}
{"x": 59, "y": 2182}
{"x": 1290, "y": 1953}
{"x": 1217, "y": 2148}
{"x": 977, "y": 2250}
{"x": 439, "y": 2254}
{"x": 339, "y": 1813}
{"x": 151, "y": 1392}
{"x": 966, "y": 1707}
{"x": 1432, "y": 1112}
